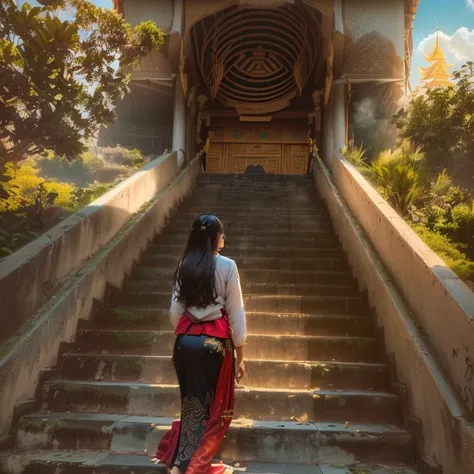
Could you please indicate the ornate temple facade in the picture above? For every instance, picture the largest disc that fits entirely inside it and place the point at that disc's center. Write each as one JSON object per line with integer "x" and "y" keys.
{"x": 260, "y": 84}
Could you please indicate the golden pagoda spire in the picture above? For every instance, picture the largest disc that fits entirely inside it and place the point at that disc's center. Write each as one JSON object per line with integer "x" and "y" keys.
{"x": 437, "y": 73}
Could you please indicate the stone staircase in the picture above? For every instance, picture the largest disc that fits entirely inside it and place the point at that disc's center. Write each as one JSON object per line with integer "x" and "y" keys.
{"x": 317, "y": 395}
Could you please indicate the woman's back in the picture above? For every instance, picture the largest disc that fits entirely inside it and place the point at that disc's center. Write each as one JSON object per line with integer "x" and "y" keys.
{"x": 228, "y": 297}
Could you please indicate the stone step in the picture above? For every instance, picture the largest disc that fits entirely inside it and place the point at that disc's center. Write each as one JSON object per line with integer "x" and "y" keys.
{"x": 289, "y": 348}
{"x": 256, "y": 303}
{"x": 247, "y": 196}
{"x": 252, "y": 204}
{"x": 322, "y": 224}
{"x": 250, "y": 220}
{"x": 213, "y": 206}
{"x": 108, "y": 462}
{"x": 329, "y": 277}
{"x": 243, "y": 215}
{"x": 312, "y": 240}
{"x": 202, "y": 191}
{"x": 260, "y": 373}
{"x": 284, "y": 441}
{"x": 242, "y": 250}
{"x": 261, "y": 288}
{"x": 245, "y": 262}
{"x": 258, "y": 404}
{"x": 256, "y": 179}
{"x": 257, "y": 323}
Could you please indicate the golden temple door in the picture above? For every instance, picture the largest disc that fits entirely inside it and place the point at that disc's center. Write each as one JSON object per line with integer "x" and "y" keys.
{"x": 276, "y": 149}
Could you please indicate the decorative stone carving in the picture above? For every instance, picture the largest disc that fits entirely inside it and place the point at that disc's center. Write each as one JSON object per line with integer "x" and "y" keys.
{"x": 374, "y": 56}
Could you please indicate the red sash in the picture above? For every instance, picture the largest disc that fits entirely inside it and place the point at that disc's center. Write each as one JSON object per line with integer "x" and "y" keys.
{"x": 219, "y": 328}
{"x": 221, "y": 410}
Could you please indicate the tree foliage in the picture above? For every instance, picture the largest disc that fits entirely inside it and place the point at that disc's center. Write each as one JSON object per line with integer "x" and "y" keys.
{"x": 442, "y": 122}
{"x": 59, "y": 79}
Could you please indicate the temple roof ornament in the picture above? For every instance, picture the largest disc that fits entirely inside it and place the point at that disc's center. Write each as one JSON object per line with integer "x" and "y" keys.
{"x": 437, "y": 73}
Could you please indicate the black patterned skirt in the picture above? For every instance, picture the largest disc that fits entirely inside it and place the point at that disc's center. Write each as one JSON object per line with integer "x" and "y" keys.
{"x": 198, "y": 361}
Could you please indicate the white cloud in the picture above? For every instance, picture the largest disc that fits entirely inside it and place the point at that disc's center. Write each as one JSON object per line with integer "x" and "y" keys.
{"x": 459, "y": 46}
{"x": 470, "y": 3}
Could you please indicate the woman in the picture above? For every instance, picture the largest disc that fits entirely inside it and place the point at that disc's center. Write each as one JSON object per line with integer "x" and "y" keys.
{"x": 208, "y": 315}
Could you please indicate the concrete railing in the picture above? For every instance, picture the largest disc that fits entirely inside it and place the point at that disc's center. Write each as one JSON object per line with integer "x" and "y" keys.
{"x": 30, "y": 277}
{"x": 442, "y": 304}
{"x": 116, "y": 228}
{"x": 425, "y": 313}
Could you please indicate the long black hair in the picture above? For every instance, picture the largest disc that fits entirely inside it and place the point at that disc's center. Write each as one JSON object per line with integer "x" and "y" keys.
{"x": 194, "y": 279}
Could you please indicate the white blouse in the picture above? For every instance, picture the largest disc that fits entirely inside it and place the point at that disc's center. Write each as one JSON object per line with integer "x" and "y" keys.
{"x": 229, "y": 296}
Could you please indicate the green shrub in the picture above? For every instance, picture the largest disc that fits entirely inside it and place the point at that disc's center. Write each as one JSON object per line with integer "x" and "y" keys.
{"x": 398, "y": 174}
{"x": 355, "y": 155}
{"x": 84, "y": 196}
{"x": 449, "y": 251}
{"x": 122, "y": 156}
{"x": 463, "y": 220}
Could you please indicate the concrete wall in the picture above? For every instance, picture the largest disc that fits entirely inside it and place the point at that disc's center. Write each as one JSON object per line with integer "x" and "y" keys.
{"x": 386, "y": 17}
{"x": 159, "y": 11}
{"x": 441, "y": 423}
{"x": 154, "y": 193}
{"x": 30, "y": 277}
{"x": 442, "y": 305}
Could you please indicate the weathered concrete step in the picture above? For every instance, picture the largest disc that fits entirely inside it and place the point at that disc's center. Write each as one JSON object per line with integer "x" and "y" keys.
{"x": 280, "y": 198}
{"x": 257, "y": 323}
{"x": 212, "y": 206}
{"x": 245, "y": 262}
{"x": 329, "y": 277}
{"x": 252, "y": 251}
{"x": 260, "y": 373}
{"x": 107, "y": 462}
{"x": 206, "y": 189}
{"x": 257, "y": 303}
{"x": 256, "y": 199}
{"x": 254, "y": 287}
{"x": 264, "y": 228}
{"x": 253, "y": 178}
{"x": 312, "y": 240}
{"x": 258, "y": 219}
{"x": 284, "y": 441}
{"x": 265, "y": 214}
{"x": 294, "y": 348}
{"x": 258, "y": 404}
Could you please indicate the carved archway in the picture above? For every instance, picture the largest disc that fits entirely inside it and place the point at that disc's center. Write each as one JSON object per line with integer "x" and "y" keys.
{"x": 256, "y": 60}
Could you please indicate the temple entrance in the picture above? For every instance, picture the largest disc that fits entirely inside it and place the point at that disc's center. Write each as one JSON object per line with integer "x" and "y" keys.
{"x": 278, "y": 149}
{"x": 257, "y": 70}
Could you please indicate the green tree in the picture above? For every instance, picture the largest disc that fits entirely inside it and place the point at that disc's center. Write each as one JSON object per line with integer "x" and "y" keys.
{"x": 58, "y": 78}
{"x": 442, "y": 122}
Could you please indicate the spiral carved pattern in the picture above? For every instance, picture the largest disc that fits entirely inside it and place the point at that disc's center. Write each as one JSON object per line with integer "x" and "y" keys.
{"x": 258, "y": 59}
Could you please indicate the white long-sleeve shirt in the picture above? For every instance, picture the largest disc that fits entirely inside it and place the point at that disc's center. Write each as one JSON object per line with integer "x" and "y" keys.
{"x": 229, "y": 296}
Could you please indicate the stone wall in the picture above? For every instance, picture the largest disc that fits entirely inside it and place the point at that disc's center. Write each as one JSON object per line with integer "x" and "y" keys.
{"x": 99, "y": 249}
{"x": 428, "y": 332}
{"x": 386, "y": 17}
